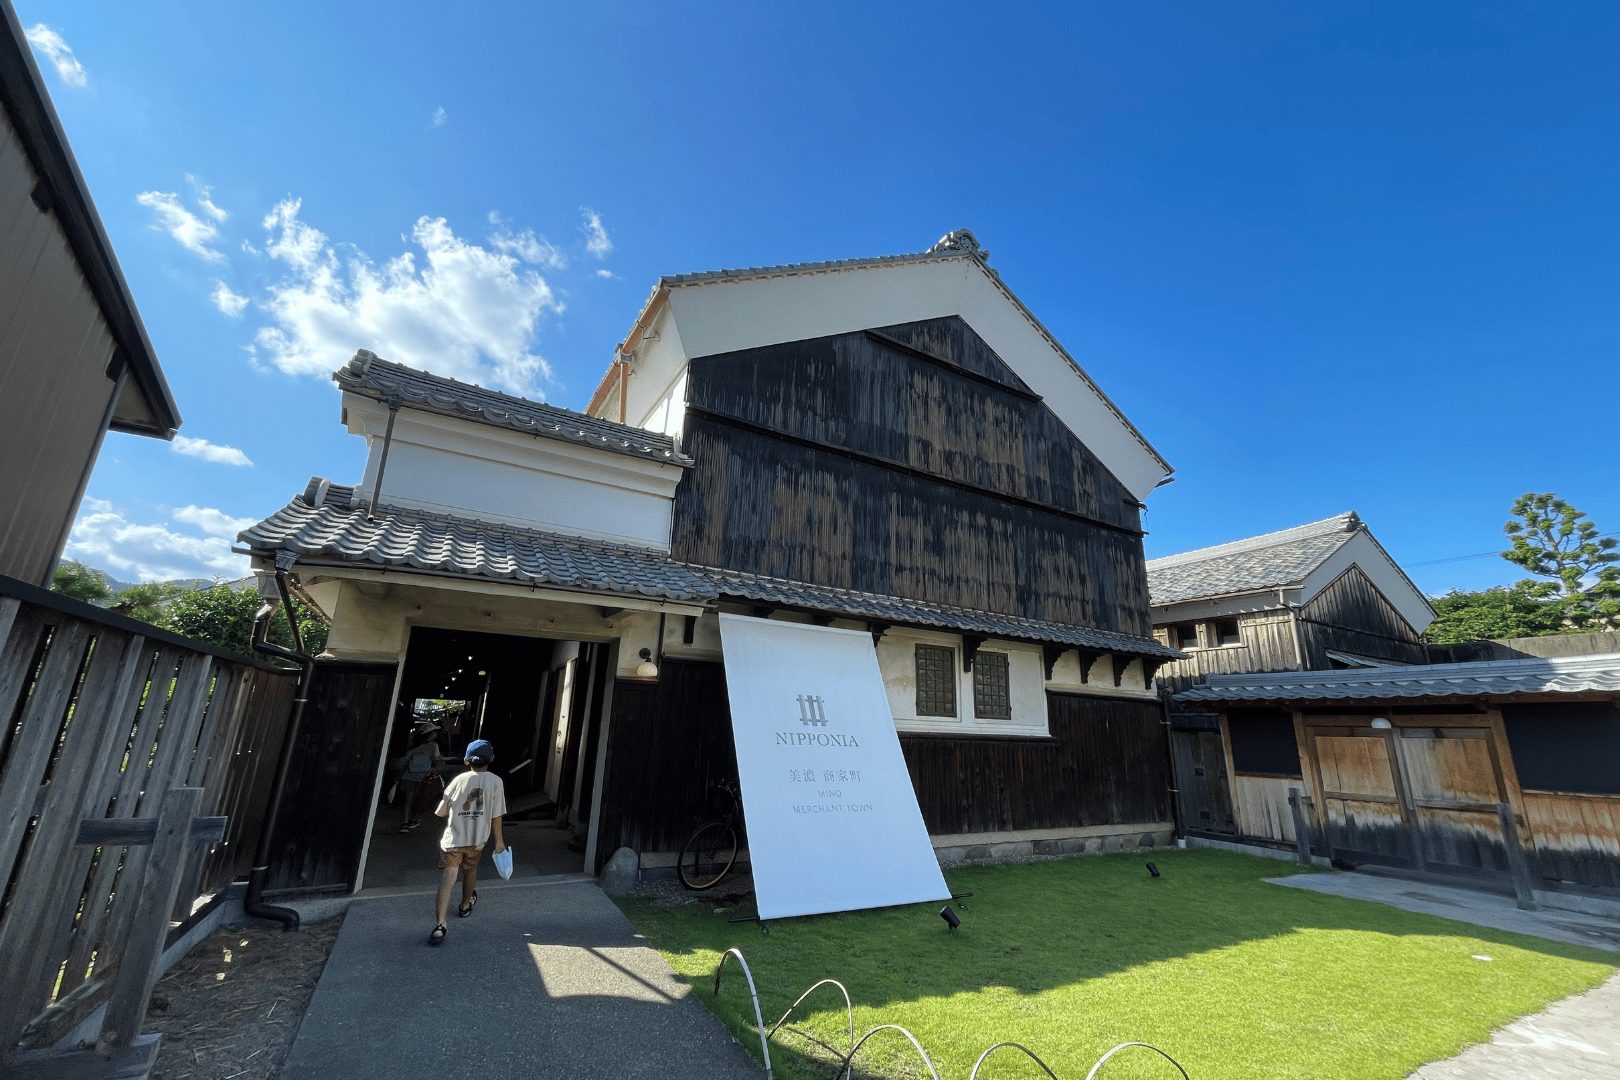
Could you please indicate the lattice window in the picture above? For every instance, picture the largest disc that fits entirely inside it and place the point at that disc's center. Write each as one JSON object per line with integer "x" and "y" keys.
{"x": 992, "y": 698}
{"x": 936, "y": 680}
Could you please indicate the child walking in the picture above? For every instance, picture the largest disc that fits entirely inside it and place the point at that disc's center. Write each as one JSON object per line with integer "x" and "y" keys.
{"x": 473, "y": 805}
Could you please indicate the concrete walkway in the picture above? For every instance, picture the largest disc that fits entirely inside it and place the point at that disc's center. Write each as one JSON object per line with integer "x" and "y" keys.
{"x": 1574, "y": 1039}
{"x": 1466, "y": 905}
{"x": 545, "y": 980}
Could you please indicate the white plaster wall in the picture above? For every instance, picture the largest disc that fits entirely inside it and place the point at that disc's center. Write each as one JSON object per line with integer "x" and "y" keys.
{"x": 1066, "y": 679}
{"x": 897, "y": 660}
{"x": 723, "y": 316}
{"x": 372, "y": 621}
{"x": 472, "y": 470}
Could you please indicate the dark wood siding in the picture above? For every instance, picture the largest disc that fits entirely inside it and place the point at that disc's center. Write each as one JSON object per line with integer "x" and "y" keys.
{"x": 1352, "y": 615}
{"x": 854, "y": 462}
{"x": 327, "y": 801}
{"x": 1268, "y": 645}
{"x": 668, "y": 742}
{"x": 1106, "y": 764}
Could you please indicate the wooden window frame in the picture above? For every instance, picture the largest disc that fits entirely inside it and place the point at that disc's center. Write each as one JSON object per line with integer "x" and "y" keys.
{"x": 990, "y": 664}
{"x": 950, "y": 680}
{"x": 1216, "y": 639}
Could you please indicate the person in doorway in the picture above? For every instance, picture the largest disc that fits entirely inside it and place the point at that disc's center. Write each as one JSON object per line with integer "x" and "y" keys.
{"x": 421, "y": 762}
{"x": 473, "y": 806}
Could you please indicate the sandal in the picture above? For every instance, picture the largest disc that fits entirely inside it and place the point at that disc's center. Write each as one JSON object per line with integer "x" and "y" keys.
{"x": 467, "y": 906}
{"x": 438, "y": 934}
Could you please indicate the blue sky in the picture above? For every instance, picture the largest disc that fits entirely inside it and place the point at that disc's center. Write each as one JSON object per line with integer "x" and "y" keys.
{"x": 1364, "y": 257}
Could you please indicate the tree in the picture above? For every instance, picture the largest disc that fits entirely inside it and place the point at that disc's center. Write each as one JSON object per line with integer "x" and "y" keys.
{"x": 223, "y": 616}
{"x": 146, "y": 601}
{"x": 78, "y": 582}
{"x": 1552, "y": 539}
{"x": 1524, "y": 609}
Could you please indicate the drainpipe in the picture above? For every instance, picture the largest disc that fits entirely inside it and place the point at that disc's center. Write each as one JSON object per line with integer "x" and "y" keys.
{"x": 1170, "y": 753}
{"x": 1293, "y": 624}
{"x": 254, "y": 904}
{"x": 376, "y": 487}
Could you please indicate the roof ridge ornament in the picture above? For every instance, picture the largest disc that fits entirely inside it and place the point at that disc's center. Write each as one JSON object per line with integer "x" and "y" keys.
{"x": 962, "y": 241}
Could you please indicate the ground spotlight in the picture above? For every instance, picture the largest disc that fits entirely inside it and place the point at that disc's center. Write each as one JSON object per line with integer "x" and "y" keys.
{"x": 950, "y": 917}
{"x": 1153, "y": 870}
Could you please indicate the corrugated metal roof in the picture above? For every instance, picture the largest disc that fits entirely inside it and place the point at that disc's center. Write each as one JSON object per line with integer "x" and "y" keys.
{"x": 1491, "y": 678}
{"x": 329, "y": 521}
{"x": 1260, "y": 562}
{"x": 371, "y": 376}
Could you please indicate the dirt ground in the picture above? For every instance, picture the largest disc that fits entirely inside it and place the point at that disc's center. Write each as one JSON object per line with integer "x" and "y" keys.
{"x": 230, "y": 1009}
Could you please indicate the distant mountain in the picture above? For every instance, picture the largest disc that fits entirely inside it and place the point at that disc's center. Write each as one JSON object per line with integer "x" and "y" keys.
{"x": 116, "y": 586}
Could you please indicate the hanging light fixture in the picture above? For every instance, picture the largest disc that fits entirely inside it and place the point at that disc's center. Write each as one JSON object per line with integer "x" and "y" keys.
{"x": 646, "y": 669}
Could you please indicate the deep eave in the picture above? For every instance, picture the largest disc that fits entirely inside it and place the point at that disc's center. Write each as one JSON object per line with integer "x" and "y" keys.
{"x": 330, "y": 525}
{"x": 63, "y": 192}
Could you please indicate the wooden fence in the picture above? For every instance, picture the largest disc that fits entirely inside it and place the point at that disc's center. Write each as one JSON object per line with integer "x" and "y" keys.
{"x": 103, "y": 717}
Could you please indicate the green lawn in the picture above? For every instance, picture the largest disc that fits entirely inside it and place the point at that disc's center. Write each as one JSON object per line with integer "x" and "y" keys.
{"x": 1233, "y": 976}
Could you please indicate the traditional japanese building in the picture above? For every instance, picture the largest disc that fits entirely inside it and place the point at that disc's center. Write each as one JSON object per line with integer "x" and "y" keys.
{"x": 893, "y": 445}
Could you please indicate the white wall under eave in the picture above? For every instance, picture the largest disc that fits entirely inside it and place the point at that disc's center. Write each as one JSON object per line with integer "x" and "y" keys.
{"x": 725, "y": 316}
{"x": 372, "y": 620}
{"x": 457, "y": 467}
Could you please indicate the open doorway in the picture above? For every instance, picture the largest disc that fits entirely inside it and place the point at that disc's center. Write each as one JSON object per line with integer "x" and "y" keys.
{"x": 539, "y": 701}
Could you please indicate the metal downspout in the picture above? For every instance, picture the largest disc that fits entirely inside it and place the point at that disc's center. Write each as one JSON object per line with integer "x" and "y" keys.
{"x": 376, "y": 488}
{"x": 253, "y": 904}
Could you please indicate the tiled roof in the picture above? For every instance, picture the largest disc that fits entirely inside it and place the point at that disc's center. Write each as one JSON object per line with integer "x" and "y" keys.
{"x": 901, "y": 611}
{"x": 328, "y": 521}
{"x": 371, "y": 376}
{"x": 1260, "y": 562}
{"x": 1490, "y": 678}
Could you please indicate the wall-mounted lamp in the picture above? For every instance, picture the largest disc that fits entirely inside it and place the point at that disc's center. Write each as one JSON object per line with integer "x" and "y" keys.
{"x": 646, "y": 669}
{"x": 1380, "y": 723}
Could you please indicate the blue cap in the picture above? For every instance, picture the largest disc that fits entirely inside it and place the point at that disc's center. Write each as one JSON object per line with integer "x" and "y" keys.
{"x": 479, "y": 752}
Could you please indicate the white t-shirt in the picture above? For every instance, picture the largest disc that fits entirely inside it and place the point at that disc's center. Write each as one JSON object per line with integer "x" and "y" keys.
{"x": 471, "y": 801}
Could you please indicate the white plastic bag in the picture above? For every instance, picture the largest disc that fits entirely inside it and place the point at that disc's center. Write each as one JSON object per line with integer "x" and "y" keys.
{"x": 503, "y": 862}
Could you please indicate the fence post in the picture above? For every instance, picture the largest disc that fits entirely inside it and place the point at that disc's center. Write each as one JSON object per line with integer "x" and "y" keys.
{"x": 137, "y": 972}
{"x": 1518, "y": 867}
{"x": 1302, "y": 831}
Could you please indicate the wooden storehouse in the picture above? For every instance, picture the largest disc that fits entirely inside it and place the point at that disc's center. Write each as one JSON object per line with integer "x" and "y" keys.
{"x": 74, "y": 358}
{"x": 894, "y": 445}
{"x": 1476, "y": 772}
{"x": 1318, "y": 596}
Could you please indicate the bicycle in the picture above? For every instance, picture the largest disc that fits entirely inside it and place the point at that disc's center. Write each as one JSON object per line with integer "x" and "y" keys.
{"x": 711, "y": 851}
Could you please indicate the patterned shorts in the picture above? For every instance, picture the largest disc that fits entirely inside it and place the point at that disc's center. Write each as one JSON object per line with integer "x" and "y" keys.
{"x": 460, "y": 857}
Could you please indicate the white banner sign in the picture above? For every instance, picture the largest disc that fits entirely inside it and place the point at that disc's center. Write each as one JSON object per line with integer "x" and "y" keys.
{"x": 831, "y": 817}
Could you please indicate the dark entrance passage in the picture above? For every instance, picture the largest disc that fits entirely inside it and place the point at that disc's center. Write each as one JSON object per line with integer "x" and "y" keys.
{"x": 538, "y": 700}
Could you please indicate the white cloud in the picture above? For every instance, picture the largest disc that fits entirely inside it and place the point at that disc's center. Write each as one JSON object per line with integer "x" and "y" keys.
{"x": 228, "y": 300}
{"x": 440, "y": 117}
{"x": 458, "y": 308}
{"x": 202, "y": 448}
{"x": 104, "y": 537}
{"x": 205, "y": 199}
{"x": 193, "y": 233}
{"x": 55, "y": 48}
{"x": 597, "y": 241}
{"x": 530, "y": 248}
{"x": 605, "y": 273}
{"x": 213, "y": 522}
